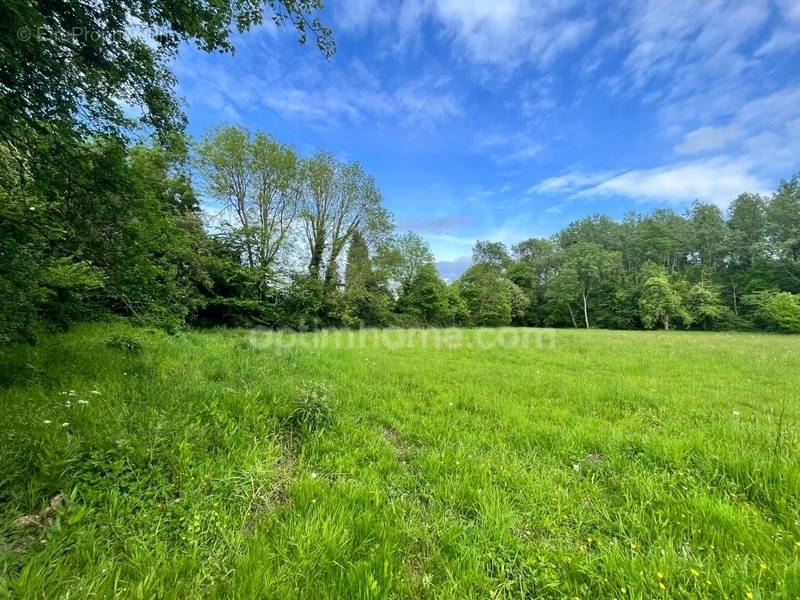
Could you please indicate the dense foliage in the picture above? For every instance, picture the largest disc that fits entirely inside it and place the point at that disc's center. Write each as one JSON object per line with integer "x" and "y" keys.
{"x": 74, "y": 66}
{"x": 91, "y": 225}
{"x": 288, "y": 241}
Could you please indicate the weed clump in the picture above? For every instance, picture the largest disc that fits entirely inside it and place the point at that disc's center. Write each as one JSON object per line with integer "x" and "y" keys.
{"x": 125, "y": 342}
{"x": 311, "y": 410}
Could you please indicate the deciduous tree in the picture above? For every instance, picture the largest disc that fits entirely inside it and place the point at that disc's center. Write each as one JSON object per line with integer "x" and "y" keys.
{"x": 660, "y": 302}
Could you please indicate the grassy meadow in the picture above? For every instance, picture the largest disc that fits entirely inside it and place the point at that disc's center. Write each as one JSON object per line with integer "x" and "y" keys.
{"x": 505, "y": 463}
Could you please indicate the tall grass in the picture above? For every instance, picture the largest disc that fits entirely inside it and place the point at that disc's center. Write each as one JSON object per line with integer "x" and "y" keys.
{"x": 401, "y": 464}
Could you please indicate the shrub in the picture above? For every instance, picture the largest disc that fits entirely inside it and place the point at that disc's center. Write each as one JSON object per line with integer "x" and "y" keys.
{"x": 125, "y": 342}
{"x": 776, "y": 310}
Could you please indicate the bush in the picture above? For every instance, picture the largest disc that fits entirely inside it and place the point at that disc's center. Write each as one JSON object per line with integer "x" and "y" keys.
{"x": 779, "y": 311}
{"x": 125, "y": 342}
{"x": 311, "y": 409}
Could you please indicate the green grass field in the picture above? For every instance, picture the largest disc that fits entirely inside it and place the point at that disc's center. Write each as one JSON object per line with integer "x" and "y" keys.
{"x": 455, "y": 464}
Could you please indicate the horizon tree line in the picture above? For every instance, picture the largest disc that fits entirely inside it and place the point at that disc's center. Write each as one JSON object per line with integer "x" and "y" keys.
{"x": 284, "y": 240}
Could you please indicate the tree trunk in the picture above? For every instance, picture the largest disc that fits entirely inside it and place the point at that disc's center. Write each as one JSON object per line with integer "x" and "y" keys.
{"x": 241, "y": 210}
{"x": 666, "y": 322}
{"x": 572, "y": 314}
{"x": 315, "y": 264}
{"x": 585, "y": 310}
{"x": 330, "y": 272}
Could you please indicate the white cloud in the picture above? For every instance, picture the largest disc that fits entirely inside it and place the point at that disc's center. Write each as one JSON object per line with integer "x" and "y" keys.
{"x": 353, "y": 15}
{"x": 352, "y": 94}
{"x": 684, "y": 36}
{"x": 506, "y": 148}
{"x": 759, "y": 130}
{"x": 422, "y": 102}
{"x": 500, "y": 33}
{"x": 790, "y": 10}
{"x": 760, "y": 140}
{"x": 777, "y": 107}
{"x": 783, "y": 39}
{"x": 504, "y": 32}
{"x": 704, "y": 139}
{"x": 715, "y": 180}
{"x": 568, "y": 183}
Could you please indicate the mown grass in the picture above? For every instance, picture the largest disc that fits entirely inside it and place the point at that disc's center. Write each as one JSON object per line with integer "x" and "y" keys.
{"x": 230, "y": 464}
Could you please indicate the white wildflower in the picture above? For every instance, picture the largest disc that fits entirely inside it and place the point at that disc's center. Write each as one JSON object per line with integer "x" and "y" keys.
{"x": 95, "y": 392}
{"x": 47, "y": 421}
{"x": 83, "y": 402}
{"x": 65, "y": 424}
{"x": 736, "y": 413}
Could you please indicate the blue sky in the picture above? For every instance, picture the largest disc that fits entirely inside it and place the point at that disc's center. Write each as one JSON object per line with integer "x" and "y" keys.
{"x": 507, "y": 119}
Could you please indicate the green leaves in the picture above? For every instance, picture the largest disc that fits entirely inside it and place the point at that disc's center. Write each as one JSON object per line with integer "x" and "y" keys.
{"x": 257, "y": 184}
{"x": 774, "y": 310}
{"x": 119, "y": 233}
{"x": 783, "y": 215}
{"x": 311, "y": 410}
{"x": 73, "y": 65}
{"x": 660, "y": 303}
{"x": 584, "y": 266}
{"x": 366, "y": 299}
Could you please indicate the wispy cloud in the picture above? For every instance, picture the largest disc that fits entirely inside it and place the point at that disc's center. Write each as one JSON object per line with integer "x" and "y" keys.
{"x": 716, "y": 180}
{"x": 683, "y": 37}
{"x": 505, "y": 148}
{"x": 568, "y": 183}
{"x": 502, "y": 33}
{"x": 450, "y": 270}
{"x": 788, "y": 35}
{"x": 352, "y": 94}
{"x": 425, "y": 101}
{"x": 435, "y": 225}
{"x": 356, "y": 15}
{"x": 759, "y": 131}
{"x": 708, "y": 138}
{"x": 508, "y": 33}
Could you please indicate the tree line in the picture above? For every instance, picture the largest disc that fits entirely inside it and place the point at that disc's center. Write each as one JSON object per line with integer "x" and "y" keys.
{"x": 283, "y": 240}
